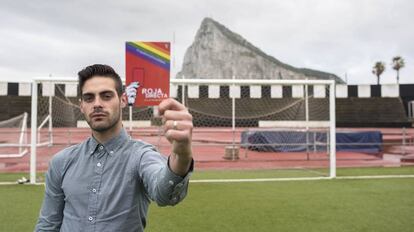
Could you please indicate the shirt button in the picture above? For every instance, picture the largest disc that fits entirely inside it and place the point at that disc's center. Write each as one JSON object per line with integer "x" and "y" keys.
{"x": 91, "y": 152}
{"x": 112, "y": 152}
{"x": 100, "y": 147}
{"x": 90, "y": 218}
{"x": 98, "y": 164}
{"x": 171, "y": 182}
{"x": 94, "y": 190}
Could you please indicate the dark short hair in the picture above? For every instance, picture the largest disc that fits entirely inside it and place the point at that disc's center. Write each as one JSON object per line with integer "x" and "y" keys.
{"x": 99, "y": 70}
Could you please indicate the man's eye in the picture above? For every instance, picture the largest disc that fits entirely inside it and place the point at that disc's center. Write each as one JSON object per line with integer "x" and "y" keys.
{"x": 87, "y": 98}
{"x": 107, "y": 96}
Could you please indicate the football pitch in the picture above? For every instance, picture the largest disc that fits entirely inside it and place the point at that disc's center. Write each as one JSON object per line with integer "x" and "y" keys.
{"x": 383, "y": 204}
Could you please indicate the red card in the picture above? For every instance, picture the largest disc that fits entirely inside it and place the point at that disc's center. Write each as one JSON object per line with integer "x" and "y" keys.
{"x": 148, "y": 63}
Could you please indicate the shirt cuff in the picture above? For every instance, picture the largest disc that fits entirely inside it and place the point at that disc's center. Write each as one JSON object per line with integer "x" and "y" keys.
{"x": 190, "y": 170}
{"x": 178, "y": 184}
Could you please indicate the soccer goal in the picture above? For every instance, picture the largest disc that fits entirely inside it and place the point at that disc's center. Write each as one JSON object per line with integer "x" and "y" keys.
{"x": 13, "y": 137}
{"x": 286, "y": 123}
{"x": 58, "y": 121}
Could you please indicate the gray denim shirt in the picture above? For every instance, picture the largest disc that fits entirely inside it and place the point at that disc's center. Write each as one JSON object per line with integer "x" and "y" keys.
{"x": 107, "y": 187}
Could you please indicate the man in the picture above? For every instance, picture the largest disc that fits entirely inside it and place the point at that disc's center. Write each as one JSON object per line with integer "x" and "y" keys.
{"x": 106, "y": 182}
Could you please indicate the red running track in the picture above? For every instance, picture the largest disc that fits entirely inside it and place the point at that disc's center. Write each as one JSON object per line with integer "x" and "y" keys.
{"x": 209, "y": 149}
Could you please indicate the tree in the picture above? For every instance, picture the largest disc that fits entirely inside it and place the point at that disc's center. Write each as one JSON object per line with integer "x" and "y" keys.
{"x": 397, "y": 64}
{"x": 378, "y": 69}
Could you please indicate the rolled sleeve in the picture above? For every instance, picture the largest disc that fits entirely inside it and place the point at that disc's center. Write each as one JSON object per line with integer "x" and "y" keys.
{"x": 177, "y": 185}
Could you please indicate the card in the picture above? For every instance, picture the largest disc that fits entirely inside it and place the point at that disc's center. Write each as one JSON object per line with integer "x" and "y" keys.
{"x": 147, "y": 72}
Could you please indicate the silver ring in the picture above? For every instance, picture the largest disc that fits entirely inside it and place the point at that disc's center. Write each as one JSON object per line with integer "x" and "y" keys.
{"x": 175, "y": 125}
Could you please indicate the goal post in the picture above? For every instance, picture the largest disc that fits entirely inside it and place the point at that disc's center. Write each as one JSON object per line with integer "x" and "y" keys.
{"x": 40, "y": 134}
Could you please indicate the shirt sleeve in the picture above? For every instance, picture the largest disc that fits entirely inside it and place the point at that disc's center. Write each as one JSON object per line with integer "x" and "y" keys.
{"x": 51, "y": 213}
{"x": 162, "y": 185}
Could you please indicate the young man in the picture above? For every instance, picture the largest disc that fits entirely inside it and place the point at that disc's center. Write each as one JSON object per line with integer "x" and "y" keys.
{"x": 106, "y": 182}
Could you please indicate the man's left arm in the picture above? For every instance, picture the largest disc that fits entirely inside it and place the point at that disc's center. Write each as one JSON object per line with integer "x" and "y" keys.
{"x": 178, "y": 126}
{"x": 166, "y": 181}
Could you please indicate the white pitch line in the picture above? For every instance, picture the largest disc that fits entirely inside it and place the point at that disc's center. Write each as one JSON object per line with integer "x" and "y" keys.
{"x": 14, "y": 183}
{"x": 374, "y": 177}
{"x": 273, "y": 179}
{"x": 301, "y": 179}
{"x": 257, "y": 180}
{"x": 7, "y": 183}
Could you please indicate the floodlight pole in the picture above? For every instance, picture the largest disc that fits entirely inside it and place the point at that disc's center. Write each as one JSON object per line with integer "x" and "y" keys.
{"x": 33, "y": 134}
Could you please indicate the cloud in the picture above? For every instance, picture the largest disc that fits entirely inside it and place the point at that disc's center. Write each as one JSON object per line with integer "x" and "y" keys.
{"x": 61, "y": 37}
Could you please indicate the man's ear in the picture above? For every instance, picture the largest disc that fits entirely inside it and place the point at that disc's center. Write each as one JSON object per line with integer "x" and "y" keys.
{"x": 124, "y": 100}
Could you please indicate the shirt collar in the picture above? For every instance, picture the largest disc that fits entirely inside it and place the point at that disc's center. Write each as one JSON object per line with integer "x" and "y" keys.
{"x": 111, "y": 146}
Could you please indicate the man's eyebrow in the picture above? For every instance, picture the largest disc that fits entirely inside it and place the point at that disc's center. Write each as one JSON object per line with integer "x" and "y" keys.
{"x": 102, "y": 92}
{"x": 106, "y": 91}
{"x": 87, "y": 94}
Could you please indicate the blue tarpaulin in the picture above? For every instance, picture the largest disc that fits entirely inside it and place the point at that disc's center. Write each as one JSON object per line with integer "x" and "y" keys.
{"x": 295, "y": 141}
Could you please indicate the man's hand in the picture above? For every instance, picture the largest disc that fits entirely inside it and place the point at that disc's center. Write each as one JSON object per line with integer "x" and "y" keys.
{"x": 131, "y": 92}
{"x": 178, "y": 126}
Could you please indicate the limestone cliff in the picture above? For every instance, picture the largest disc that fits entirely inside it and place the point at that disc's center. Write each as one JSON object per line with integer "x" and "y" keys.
{"x": 218, "y": 53}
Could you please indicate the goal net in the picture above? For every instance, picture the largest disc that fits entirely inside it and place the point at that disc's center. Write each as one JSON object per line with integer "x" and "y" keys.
{"x": 13, "y": 137}
{"x": 244, "y": 124}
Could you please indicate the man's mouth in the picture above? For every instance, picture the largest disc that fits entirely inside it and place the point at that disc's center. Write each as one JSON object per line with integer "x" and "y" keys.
{"x": 98, "y": 115}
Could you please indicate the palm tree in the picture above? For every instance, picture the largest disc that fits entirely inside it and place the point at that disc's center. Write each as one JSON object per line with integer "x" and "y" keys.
{"x": 397, "y": 64}
{"x": 378, "y": 69}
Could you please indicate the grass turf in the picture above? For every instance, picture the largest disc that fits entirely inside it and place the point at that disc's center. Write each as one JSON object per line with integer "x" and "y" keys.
{"x": 327, "y": 205}
{"x": 338, "y": 205}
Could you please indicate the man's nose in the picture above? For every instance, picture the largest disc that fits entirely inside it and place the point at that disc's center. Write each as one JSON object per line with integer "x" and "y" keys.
{"x": 98, "y": 102}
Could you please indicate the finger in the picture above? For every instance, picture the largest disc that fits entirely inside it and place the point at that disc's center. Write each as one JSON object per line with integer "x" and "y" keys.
{"x": 177, "y": 115}
{"x": 179, "y": 136}
{"x": 180, "y": 125}
{"x": 170, "y": 104}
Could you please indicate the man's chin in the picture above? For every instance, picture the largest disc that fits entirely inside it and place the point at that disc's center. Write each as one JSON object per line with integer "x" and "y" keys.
{"x": 99, "y": 126}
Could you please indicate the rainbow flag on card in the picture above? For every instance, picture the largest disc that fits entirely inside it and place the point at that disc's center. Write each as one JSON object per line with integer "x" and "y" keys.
{"x": 149, "y": 64}
{"x": 156, "y": 53}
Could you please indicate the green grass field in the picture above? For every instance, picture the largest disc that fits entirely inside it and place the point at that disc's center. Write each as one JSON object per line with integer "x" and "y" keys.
{"x": 323, "y": 205}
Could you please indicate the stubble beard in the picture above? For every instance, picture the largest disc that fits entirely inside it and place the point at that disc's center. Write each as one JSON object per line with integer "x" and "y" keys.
{"x": 103, "y": 127}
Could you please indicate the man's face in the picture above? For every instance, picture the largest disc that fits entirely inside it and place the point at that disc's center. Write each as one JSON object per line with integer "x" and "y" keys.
{"x": 100, "y": 103}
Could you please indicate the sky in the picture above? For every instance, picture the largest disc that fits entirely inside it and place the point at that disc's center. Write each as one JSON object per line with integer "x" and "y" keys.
{"x": 344, "y": 37}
